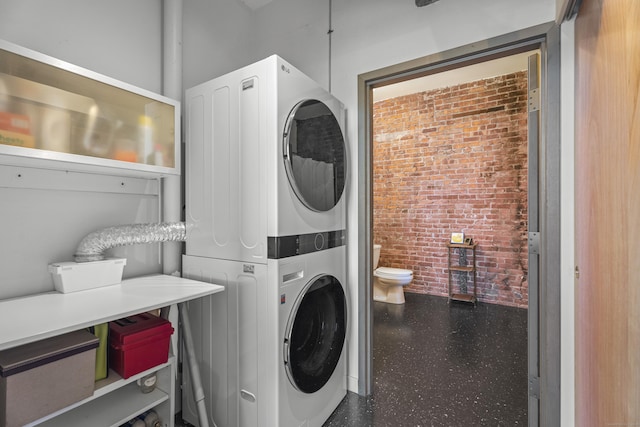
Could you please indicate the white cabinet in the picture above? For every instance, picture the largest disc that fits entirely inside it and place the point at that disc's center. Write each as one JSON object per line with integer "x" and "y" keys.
{"x": 57, "y": 115}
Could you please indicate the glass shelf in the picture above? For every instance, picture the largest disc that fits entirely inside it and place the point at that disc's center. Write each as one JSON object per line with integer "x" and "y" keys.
{"x": 54, "y": 111}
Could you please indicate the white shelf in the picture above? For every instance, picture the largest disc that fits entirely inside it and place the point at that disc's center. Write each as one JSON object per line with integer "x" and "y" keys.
{"x": 33, "y": 318}
{"x": 114, "y": 402}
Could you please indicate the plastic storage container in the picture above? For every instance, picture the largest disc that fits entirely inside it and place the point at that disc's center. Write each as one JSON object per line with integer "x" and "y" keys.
{"x": 80, "y": 276}
{"x": 42, "y": 377}
{"x": 138, "y": 343}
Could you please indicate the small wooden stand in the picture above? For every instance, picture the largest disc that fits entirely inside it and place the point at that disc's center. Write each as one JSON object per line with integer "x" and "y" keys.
{"x": 471, "y": 268}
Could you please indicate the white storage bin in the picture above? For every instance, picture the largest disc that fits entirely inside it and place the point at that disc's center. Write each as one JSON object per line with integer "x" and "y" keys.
{"x": 79, "y": 276}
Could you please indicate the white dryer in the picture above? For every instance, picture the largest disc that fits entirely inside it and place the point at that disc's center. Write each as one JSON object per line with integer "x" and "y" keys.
{"x": 271, "y": 348}
{"x": 266, "y": 164}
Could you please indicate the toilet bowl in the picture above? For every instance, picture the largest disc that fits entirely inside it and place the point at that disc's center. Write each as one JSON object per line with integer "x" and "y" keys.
{"x": 388, "y": 283}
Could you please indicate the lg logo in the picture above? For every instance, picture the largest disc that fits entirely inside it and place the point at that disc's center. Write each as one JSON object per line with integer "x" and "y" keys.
{"x": 285, "y": 69}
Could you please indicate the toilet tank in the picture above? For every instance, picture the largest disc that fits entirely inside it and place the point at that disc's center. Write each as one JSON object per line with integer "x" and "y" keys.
{"x": 376, "y": 255}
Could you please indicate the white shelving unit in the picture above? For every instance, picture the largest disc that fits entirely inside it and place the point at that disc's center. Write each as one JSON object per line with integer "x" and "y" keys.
{"x": 115, "y": 400}
{"x": 54, "y": 313}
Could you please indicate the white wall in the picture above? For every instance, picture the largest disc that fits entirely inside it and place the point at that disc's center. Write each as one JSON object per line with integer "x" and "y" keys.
{"x": 372, "y": 34}
{"x": 297, "y": 31}
{"x": 218, "y": 37}
{"x": 121, "y": 39}
{"x": 118, "y": 38}
{"x": 223, "y": 35}
{"x": 43, "y": 213}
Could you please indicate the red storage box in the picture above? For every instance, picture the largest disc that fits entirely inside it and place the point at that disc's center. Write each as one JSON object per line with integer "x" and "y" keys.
{"x": 138, "y": 343}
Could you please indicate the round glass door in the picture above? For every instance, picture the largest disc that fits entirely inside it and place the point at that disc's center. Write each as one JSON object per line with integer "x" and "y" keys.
{"x": 314, "y": 155}
{"x": 314, "y": 340}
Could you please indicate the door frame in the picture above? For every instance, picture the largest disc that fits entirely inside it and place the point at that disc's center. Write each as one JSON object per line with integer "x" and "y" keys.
{"x": 545, "y": 37}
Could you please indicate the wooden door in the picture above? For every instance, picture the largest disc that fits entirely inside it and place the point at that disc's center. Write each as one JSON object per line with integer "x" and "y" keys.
{"x": 608, "y": 213}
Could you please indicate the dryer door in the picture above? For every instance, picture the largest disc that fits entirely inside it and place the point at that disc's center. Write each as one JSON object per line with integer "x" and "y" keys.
{"x": 314, "y": 155}
{"x": 315, "y": 334}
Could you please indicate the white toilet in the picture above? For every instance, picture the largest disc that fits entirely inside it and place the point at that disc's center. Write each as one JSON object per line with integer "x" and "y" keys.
{"x": 388, "y": 282}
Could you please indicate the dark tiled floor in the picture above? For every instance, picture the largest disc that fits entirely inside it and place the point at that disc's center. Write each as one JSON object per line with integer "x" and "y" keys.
{"x": 439, "y": 364}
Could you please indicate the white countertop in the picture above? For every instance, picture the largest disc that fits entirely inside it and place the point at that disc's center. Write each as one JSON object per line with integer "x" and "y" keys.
{"x": 32, "y": 318}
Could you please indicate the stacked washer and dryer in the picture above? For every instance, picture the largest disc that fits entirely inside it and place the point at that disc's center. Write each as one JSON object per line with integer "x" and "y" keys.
{"x": 265, "y": 209}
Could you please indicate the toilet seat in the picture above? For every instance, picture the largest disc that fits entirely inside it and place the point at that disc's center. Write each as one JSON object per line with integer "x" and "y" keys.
{"x": 391, "y": 273}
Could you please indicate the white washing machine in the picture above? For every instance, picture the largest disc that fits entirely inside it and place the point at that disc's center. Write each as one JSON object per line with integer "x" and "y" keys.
{"x": 266, "y": 164}
{"x": 312, "y": 328}
{"x": 272, "y": 348}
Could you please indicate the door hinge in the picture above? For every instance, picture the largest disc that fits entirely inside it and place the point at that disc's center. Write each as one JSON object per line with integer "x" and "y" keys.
{"x": 534, "y": 387}
{"x": 534, "y": 242}
{"x": 534, "y": 100}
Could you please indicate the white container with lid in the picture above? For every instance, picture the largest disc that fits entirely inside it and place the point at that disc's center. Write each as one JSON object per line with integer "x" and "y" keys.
{"x": 79, "y": 276}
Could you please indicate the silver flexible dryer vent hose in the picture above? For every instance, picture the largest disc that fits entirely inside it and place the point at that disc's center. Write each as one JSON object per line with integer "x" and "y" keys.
{"x": 93, "y": 245}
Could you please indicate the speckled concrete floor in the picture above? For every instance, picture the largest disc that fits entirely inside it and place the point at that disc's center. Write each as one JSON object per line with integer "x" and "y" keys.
{"x": 439, "y": 364}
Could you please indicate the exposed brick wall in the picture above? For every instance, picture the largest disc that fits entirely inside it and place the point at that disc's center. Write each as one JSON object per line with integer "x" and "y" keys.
{"x": 452, "y": 160}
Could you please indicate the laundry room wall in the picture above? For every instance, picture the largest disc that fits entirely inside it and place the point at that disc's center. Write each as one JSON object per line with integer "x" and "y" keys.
{"x": 368, "y": 36}
{"x": 45, "y": 213}
{"x": 218, "y": 37}
{"x": 119, "y": 38}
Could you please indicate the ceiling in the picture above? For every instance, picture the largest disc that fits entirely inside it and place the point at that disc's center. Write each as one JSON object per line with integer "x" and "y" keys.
{"x": 483, "y": 70}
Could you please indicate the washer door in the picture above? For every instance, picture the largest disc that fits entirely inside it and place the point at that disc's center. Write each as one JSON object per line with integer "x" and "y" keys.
{"x": 315, "y": 334}
{"x": 314, "y": 155}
